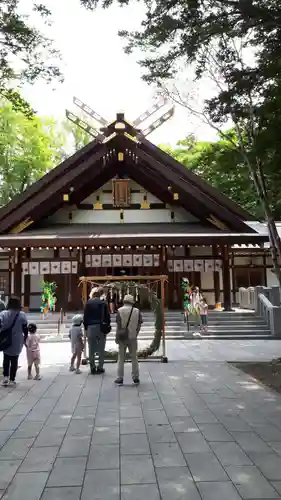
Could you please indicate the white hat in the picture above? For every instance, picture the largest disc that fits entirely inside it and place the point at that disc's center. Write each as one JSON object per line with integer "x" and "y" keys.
{"x": 129, "y": 298}
{"x": 96, "y": 291}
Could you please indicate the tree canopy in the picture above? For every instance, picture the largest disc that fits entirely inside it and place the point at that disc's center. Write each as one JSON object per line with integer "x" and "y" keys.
{"x": 221, "y": 165}
{"x": 29, "y": 147}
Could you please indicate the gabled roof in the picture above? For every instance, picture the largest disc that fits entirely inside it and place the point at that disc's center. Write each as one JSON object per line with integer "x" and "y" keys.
{"x": 98, "y": 162}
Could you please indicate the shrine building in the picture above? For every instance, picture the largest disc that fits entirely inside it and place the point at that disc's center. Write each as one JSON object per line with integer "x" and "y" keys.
{"x": 122, "y": 206}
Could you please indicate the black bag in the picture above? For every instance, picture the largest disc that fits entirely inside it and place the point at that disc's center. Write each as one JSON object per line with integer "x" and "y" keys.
{"x": 6, "y": 335}
{"x": 105, "y": 328}
{"x": 122, "y": 335}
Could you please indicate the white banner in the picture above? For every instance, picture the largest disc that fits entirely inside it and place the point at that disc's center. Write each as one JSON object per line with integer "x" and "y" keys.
{"x": 96, "y": 260}
{"x": 218, "y": 265}
{"x": 170, "y": 265}
{"x": 88, "y": 260}
{"x": 127, "y": 260}
{"x": 156, "y": 260}
{"x": 199, "y": 265}
{"x": 178, "y": 266}
{"x": 55, "y": 267}
{"x": 74, "y": 267}
{"x": 137, "y": 260}
{"x": 147, "y": 260}
{"x": 25, "y": 267}
{"x": 188, "y": 265}
{"x": 209, "y": 265}
{"x": 106, "y": 260}
{"x": 117, "y": 261}
{"x": 66, "y": 267}
{"x": 45, "y": 267}
{"x": 34, "y": 267}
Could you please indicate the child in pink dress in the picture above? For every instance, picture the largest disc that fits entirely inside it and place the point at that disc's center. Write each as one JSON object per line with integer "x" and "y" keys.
{"x": 203, "y": 308}
{"x": 33, "y": 352}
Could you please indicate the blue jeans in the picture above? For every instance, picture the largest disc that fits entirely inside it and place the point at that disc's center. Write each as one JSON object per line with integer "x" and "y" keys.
{"x": 96, "y": 343}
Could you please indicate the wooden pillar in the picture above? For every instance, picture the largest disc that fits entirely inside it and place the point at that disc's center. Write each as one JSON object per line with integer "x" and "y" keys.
{"x": 163, "y": 271}
{"x": 26, "y": 293}
{"x": 226, "y": 279}
{"x": 17, "y": 272}
{"x": 216, "y": 277}
{"x": 81, "y": 263}
{"x": 264, "y": 270}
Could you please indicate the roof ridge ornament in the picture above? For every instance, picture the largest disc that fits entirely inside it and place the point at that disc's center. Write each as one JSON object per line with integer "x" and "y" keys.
{"x": 120, "y": 122}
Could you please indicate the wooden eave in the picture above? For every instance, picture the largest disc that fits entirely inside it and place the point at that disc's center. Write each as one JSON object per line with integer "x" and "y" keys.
{"x": 55, "y": 240}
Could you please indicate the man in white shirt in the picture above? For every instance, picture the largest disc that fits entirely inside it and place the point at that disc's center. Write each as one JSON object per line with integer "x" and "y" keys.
{"x": 128, "y": 318}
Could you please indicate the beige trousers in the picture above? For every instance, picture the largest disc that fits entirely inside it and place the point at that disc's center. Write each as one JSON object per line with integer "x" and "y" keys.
{"x": 132, "y": 346}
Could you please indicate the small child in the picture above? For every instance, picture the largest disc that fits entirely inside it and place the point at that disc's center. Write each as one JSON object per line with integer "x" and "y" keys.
{"x": 77, "y": 345}
{"x": 203, "y": 308}
{"x": 33, "y": 352}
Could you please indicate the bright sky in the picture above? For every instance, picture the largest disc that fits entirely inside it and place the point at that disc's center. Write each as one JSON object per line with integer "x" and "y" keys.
{"x": 97, "y": 71}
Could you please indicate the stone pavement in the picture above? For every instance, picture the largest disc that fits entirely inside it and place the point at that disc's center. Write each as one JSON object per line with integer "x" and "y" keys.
{"x": 192, "y": 430}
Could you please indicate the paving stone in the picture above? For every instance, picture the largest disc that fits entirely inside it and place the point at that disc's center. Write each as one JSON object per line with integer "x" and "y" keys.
{"x": 184, "y": 424}
{"x": 155, "y": 417}
{"x": 101, "y": 485}
{"x": 218, "y": 491}
{"x": 39, "y": 460}
{"x": 4, "y": 436}
{"x": 104, "y": 456}
{"x": 8, "y": 468}
{"x": 132, "y": 426}
{"x": 160, "y": 434}
{"x": 57, "y": 421}
{"x": 130, "y": 411}
{"x": 277, "y": 486}
{"x": 192, "y": 442}
{"x": 50, "y": 436}
{"x": 81, "y": 427}
{"x": 27, "y": 485}
{"x": 249, "y": 441}
{"x": 134, "y": 444}
{"x": 250, "y": 483}
{"x": 106, "y": 435}
{"x": 10, "y": 422}
{"x": 75, "y": 446}
{"x": 151, "y": 404}
{"x": 215, "y": 432}
{"x": 267, "y": 432}
{"x": 67, "y": 472}
{"x": 276, "y": 446}
{"x": 72, "y": 493}
{"x": 167, "y": 455}
{"x": 269, "y": 464}
{"x": 140, "y": 492}
{"x": 28, "y": 430}
{"x": 205, "y": 467}
{"x": 175, "y": 411}
{"x": 176, "y": 483}
{"x": 108, "y": 420}
{"x": 235, "y": 424}
{"x": 137, "y": 469}
{"x": 203, "y": 417}
{"x": 230, "y": 454}
{"x": 16, "y": 449}
{"x": 84, "y": 412}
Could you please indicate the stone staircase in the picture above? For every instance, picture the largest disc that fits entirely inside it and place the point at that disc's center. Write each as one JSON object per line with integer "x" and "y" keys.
{"x": 238, "y": 324}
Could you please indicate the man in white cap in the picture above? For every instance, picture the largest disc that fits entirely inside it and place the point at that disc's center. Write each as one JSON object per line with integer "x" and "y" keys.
{"x": 128, "y": 324}
{"x": 97, "y": 325}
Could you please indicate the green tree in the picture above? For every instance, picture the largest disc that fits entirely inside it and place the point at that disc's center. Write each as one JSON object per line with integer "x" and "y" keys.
{"x": 220, "y": 164}
{"x": 26, "y": 54}
{"x": 29, "y": 147}
{"x": 75, "y": 138}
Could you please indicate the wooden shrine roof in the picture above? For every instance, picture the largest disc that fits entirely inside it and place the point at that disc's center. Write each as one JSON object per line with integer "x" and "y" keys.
{"x": 98, "y": 162}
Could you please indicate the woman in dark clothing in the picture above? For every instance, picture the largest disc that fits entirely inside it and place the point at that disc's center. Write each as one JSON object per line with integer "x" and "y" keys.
{"x": 97, "y": 325}
{"x": 13, "y": 314}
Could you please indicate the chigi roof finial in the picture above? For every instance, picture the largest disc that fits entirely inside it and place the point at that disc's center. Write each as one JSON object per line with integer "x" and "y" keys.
{"x": 162, "y": 111}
